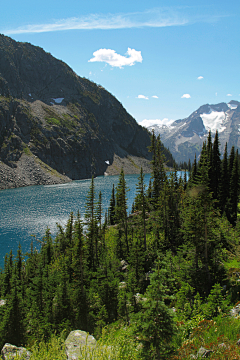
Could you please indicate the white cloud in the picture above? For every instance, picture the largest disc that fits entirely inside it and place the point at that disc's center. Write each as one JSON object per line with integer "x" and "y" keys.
{"x": 229, "y": 94}
{"x": 156, "y": 17}
{"x": 200, "y": 77}
{"x": 142, "y": 97}
{"x": 155, "y": 96}
{"x": 151, "y": 122}
{"x": 186, "y": 96}
{"x": 116, "y": 60}
{"x": 216, "y": 93}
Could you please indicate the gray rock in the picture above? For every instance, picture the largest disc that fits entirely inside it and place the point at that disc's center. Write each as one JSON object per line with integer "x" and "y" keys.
{"x": 235, "y": 312}
{"x": 77, "y": 339}
{"x": 204, "y": 353}
{"x": 9, "y": 352}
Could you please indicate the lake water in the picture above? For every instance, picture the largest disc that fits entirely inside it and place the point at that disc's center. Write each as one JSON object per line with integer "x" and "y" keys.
{"x": 28, "y": 211}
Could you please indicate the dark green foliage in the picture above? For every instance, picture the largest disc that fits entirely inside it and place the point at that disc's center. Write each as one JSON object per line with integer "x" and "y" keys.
{"x": 154, "y": 326}
{"x": 121, "y": 214}
{"x": 169, "y": 253}
{"x": 233, "y": 192}
{"x": 224, "y": 183}
{"x": 216, "y": 168}
{"x": 112, "y": 208}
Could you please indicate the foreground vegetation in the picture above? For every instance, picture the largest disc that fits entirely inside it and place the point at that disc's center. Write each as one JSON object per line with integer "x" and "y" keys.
{"x": 156, "y": 284}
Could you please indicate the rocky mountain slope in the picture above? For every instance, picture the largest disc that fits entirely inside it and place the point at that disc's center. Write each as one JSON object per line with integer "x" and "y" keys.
{"x": 63, "y": 126}
{"x": 184, "y": 137}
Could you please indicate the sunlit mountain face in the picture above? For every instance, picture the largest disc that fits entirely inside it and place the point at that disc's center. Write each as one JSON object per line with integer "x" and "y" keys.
{"x": 185, "y": 137}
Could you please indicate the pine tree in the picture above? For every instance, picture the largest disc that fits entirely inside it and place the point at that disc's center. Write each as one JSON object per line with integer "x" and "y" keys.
{"x": 216, "y": 168}
{"x": 158, "y": 170}
{"x": 90, "y": 217}
{"x": 154, "y": 325}
{"x": 199, "y": 219}
{"x": 99, "y": 210}
{"x": 233, "y": 193}
{"x": 224, "y": 182}
{"x": 140, "y": 204}
{"x": 121, "y": 209}
{"x": 112, "y": 208}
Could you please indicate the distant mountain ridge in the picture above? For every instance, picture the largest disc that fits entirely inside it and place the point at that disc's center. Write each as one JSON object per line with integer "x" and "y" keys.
{"x": 185, "y": 137}
{"x": 64, "y": 121}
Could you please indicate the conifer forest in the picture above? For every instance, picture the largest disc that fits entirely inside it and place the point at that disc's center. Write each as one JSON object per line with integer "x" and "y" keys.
{"x": 163, "y": 276}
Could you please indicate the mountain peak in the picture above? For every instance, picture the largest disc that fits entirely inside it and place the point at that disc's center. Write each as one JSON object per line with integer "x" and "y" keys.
{"x": 184, "y": 137}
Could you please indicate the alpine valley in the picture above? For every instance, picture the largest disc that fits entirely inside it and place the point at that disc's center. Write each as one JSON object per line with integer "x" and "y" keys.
{"x": 185, "y": 137}
{"x": 56, "y": 126}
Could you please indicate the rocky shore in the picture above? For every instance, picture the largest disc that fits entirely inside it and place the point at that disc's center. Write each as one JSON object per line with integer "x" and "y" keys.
{"x": 29, "y": 170}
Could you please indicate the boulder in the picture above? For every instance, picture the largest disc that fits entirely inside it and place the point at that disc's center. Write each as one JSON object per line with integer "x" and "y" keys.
{"x": 204, "y": 353}
{"x": 77, "y": 339}
{"x": 235, "y": 311}
{"x": 9, "y": 352}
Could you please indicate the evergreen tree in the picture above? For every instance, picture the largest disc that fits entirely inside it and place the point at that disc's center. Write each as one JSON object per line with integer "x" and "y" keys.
{"x": 112, "y": 207}
{"x": 140, "y": 204}
{"x": 231, "y": 161}
{"x": 90, "y": 217}
{"x": 194, "y": 171}
{"x": 233, "y": 193}
{"x": 99, "y": 210}
{"x": 121, "y": 210}
{"x": 199, "y": 221}
{"x": 158, "y": 170}
{"x": 154, "y": 325}
{"x": 216, "y": 168}
{"x": 224, "y": 182}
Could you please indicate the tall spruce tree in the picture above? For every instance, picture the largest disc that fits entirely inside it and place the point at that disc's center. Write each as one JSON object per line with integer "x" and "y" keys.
{"x": 121, "y": 211}
{"x": 224, "y": 182}
{"x": 216, "y": 168}
{"x": 112, "y": 218}
{"x": 233, "y": 193}
{"x": 154, "y": 326}
{"x": 158, "y": 169}
{"x": 90, "y": 217}
{"x": 140, "y": 204}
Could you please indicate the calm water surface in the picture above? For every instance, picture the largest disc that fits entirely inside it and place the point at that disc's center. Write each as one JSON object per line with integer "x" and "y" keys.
{"x": 28, "y": 211}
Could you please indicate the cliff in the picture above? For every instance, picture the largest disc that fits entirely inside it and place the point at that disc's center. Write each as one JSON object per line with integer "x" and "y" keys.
{"x": 58, "y": 125}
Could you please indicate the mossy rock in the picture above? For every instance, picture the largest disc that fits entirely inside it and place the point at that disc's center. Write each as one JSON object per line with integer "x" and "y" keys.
{"x": 78, "y": 339}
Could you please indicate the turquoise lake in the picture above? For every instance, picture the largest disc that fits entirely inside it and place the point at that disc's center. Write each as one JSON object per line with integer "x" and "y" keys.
{"x": 25, "y": 213}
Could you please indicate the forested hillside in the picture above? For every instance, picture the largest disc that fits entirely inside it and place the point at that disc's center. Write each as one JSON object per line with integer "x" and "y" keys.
{"x": 162, "y": 278}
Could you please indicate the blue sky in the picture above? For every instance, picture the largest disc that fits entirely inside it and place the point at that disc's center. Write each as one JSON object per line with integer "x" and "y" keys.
{"x": 161, "y": 59}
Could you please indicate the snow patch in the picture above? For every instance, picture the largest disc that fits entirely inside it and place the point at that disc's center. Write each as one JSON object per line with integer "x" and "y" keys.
{"x": 58, "y": 100}
{"x": 214, "y": 121}
{"x": 232, "y": 106}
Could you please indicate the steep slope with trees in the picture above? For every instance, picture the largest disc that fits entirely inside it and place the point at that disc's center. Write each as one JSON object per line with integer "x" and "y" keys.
{"x": 164, "y": 277}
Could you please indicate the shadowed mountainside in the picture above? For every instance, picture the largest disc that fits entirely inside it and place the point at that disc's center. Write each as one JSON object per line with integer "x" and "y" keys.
{"x": 63, "y": 121}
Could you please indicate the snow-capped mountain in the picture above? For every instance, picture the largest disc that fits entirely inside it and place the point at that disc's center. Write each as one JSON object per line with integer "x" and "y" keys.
{"x": 184, "y": 137}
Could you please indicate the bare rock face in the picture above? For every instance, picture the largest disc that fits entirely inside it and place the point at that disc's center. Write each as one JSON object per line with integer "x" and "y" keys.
{"x": 75, "y": 340}
{"x": 9, "y": 352}
{"x": 69, "y": 123}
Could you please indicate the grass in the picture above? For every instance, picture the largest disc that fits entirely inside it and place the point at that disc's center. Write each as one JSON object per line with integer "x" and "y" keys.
{"x": 116, "y": 343}
{"x": 219, "y": 335}
{"x": 27, "y": 151}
